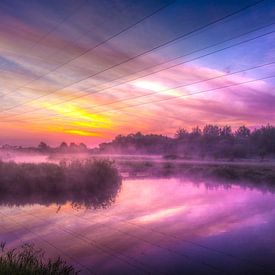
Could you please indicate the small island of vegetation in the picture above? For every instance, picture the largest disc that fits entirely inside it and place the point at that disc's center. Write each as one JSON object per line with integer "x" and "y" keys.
{"x": 89, "y": 183}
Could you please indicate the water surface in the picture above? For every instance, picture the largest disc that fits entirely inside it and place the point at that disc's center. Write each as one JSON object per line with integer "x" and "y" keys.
{"x": 157, "y": 226}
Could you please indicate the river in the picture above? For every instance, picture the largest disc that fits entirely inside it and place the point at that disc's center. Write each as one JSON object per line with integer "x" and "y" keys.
{"x": 155, "y": 226}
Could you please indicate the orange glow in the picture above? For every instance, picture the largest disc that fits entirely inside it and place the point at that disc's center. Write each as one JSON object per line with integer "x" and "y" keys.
{"x": 82, "y": 133}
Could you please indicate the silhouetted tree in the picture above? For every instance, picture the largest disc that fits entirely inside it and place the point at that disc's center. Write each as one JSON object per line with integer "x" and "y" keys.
{"x": 242, "y": 132}
{"x": 43, "y": 147}
{"x": 263, "y": 140}
{"x": 242, "y": 142}
{"x": 182, "y": 134}
{"x": 82, "y": 147}
{"x": 73, "y": 147}
{"x": 63, "y": 147}
{"x": 196, "y": 133}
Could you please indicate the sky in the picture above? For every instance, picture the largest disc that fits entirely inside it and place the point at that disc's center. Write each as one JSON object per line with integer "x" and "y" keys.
{"x": 86, "y": 71}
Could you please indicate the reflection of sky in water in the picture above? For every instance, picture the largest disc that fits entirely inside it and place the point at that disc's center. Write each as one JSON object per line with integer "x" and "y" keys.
{"x": 157, "y": 225}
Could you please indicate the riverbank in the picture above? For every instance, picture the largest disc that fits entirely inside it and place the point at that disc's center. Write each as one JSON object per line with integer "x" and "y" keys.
{"x": 255, "y": 172}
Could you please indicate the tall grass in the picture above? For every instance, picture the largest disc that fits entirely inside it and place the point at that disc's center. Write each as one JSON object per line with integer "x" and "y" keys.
{"x": 93, "y": 183}
{"x": 27, "y": 260}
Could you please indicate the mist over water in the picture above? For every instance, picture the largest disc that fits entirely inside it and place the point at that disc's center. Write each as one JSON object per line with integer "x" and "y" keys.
{"x": 23, "y": 157}
{"x": 122, "y": 214}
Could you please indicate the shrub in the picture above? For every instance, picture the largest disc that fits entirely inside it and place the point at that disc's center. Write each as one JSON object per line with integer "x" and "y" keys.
{"x": 27, "y": 260}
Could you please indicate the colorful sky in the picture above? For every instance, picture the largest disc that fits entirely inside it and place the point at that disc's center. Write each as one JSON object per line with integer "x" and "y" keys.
{"x": 86, "y": 71}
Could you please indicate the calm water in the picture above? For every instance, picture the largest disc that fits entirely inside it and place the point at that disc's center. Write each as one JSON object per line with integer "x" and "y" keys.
{"x": 157, "y": 226}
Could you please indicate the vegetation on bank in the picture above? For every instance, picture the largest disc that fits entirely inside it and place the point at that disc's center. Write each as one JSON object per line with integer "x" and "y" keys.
{"x": 203, "y": 171}
{"x": 27, "y": 260}
{"x": 92, "y": 183}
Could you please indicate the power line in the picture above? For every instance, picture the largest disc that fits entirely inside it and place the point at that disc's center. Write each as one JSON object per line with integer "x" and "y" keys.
{"x": 176, "y": 238}
{"x": 152, "y": 49}
{"x": 185, "y": 85}
{"x": 46, "y": 61}
{"x": 171, "y": 66}
{"x": 44, "y": 36}
{"x": 58, "y": 25}
{"x": 49, "y": 243}
{"x": 176, "y": 98}
{"x": 183, "y": 96}
{"x": 140, "y": 239}
{"x": 103, "y": 248}
{"x": 96, "y": 46}
{"x": 163, "y": 235}
{"x": 191, "y": 94}
{"x": 163, "y": 69}
{"x": 180, "y": 86}
{"x": 64, "y": 19}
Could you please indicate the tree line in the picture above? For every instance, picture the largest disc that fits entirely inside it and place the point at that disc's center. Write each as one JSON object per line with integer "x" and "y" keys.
{"x": 43, "y": 147}
{"x": 63, "y": 148}
{"x": 211, "y": 141}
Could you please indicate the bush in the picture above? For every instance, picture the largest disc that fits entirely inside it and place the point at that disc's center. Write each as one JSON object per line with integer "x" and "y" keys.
{"x": 27, "y": 260}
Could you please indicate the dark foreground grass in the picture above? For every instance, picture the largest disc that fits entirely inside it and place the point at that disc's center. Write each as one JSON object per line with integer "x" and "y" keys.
{"x": 92, "y": 183}
{"x": 27, "y": 260}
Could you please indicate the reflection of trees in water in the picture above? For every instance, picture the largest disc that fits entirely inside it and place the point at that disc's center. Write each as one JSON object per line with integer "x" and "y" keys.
{"x": 89, "y": 183}
{"x": 252, "y": 174}
{"x": 227, "y": 185}
{"x": 99, "y": 199}
{"x": 212, "y": 176}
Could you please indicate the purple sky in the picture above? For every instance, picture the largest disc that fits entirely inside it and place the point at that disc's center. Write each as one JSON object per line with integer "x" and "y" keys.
{"x": 88, "y": 71}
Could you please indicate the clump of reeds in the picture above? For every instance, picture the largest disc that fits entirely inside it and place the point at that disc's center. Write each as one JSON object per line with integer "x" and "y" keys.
{"x": 89, "y": 182}
{"x": 27, "y": 260}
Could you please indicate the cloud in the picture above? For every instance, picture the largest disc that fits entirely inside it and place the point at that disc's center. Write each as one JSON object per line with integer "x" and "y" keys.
{"x": 162, "y": 102}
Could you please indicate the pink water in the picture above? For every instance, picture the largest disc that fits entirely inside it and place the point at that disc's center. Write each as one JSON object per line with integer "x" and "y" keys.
{"x": 156, "y": 226}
